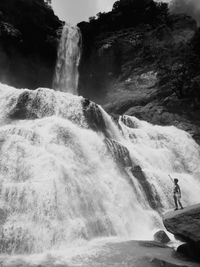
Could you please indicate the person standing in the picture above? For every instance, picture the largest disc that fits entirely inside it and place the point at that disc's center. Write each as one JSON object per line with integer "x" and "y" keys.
{"x": 177, "y": 194}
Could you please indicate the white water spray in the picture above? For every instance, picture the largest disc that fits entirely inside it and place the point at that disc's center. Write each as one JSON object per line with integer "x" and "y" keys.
{"x": 60, "y": 182}
{"x": 69, "y": 53}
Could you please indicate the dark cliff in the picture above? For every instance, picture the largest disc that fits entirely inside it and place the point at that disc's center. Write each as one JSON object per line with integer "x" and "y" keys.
{"x": 141, "y": 60}
{"x": 28, "y": 43}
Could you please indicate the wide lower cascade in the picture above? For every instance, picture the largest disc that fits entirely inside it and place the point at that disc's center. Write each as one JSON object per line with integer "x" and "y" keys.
{"x": 63, "y": 179}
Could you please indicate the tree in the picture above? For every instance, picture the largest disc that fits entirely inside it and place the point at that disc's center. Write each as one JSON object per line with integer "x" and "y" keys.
{"x": 180, "y": 80}
{"x": 100, "y": 15}
{"x": 91, "y": 19}
{"x": 116, "y": 5}
{"x": 48, "y": 2}
{"x": 195, "y": 88}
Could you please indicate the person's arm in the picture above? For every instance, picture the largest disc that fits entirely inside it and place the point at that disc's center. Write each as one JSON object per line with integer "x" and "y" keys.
{"x": 170, "y": 177}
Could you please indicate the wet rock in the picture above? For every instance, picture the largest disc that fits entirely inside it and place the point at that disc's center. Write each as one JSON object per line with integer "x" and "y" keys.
{"x": 119, "y": 152}
{"x": 20, "y": 111}
{"x": 150, "y": 191}
{"x": 128, "y": 122}
{"x": 190, "y": 250}
{"x": 161, "y": 237}
{"x": 32, "y": 105}
{"x": 94, "y": 116}
{"x": 185, "y": 225}
{"x": 155, "y": 262}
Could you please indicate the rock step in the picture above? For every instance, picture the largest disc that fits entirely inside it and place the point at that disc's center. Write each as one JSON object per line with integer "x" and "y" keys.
{"x": 184, "y": 224}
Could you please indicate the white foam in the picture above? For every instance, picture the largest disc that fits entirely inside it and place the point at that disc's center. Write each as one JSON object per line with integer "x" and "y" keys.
{"x": 59, "y": 185}
{"x": 69, "y": 53}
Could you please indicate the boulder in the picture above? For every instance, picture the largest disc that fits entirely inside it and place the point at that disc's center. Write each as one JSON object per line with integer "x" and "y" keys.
{"x": 184, "y": 224}
{"x": 190, "y": 250}
{"x": 161, "y": 237}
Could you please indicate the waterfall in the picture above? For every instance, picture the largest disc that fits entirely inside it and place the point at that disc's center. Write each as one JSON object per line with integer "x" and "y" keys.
{"x": 63, "y": 180}
{"x": 69, "y": 52}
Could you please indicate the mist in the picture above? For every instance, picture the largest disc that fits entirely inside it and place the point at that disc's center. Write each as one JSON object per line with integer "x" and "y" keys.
{"x": 189, "y": 7}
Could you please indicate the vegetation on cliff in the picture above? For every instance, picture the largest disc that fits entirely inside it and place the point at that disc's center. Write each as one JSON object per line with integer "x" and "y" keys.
{"x": 142, "y": 60}
{"x": 28, "y": 43}
{"x": 137, "y": 59}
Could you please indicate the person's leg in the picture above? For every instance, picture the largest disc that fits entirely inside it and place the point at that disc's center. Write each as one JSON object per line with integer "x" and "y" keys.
{"x": 175, "y": 201}
{"x": 180, "y": 204}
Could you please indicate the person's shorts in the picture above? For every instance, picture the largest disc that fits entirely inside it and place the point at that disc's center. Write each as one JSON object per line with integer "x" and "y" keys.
{"x": 177, "y": 195}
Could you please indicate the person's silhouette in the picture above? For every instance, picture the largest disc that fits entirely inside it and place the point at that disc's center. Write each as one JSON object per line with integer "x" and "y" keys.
{"x": 177, "y": 195}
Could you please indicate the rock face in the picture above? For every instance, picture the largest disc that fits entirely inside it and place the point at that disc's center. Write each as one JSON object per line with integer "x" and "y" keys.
{"x": 185, "y": 225}
{"x": 161, "y": 237}
{"x": 153, "y": 199}
{"x": 156, "y": 263}
{"x": 28, "y": 43}
{"x": 127, "y": 62}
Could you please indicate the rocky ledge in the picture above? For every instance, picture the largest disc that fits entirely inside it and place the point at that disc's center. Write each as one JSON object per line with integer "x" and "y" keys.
{"x": 185, "y": 225}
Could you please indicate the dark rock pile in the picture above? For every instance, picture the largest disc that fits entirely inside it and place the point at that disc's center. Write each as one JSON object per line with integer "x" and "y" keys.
{"x": 185, "y": 225}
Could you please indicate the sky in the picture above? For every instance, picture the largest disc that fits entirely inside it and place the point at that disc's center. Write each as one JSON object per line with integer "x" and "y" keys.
{"x": 74, "y": 11}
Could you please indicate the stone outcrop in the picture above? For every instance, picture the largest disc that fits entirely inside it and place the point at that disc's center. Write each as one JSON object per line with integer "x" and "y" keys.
{"x": 152, "y": 197}
{"x": 161, "y": 237}
{"x": 185, "y": 225}
{"x": 29, "y": 35}
{"x": 154, "y": 262}
{"x": 125, "y": 63}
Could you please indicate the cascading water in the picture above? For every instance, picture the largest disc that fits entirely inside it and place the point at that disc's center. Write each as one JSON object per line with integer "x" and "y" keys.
{"x": 69, "y": 174}
{"x": 62, "y": 182}
{"x": 66, "y": 73}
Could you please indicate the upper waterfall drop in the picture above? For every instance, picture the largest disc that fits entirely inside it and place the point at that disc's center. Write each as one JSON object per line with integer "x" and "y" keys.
{"x": 69, "y": 53}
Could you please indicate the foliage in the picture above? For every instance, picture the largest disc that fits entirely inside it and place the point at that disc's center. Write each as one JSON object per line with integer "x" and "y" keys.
{"x": 189, "y": 7}
{"x": 180, "y": 79}
{"x": 183, "y": 75}
{"x": 91, "y": 19}
{"x": 195, "y": 88}
{"x": 177, "y": 63}
{"x": 49, "y": 2}
{"x": 130, "y": 14}
{"x": 116, "y": 5}
{"x": 196, "y": 42}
